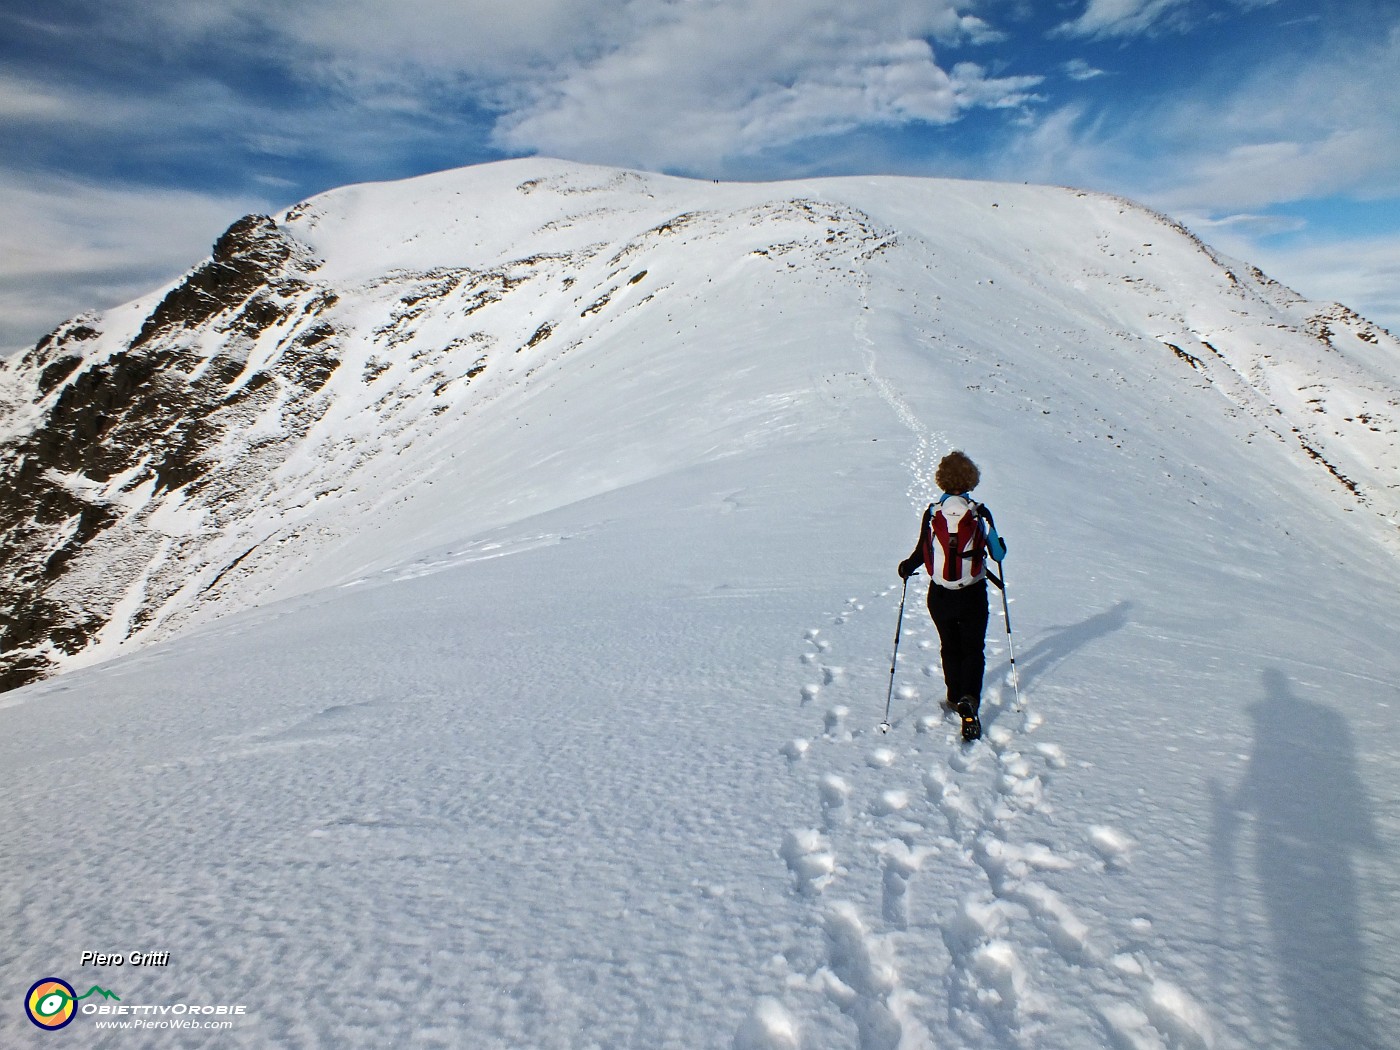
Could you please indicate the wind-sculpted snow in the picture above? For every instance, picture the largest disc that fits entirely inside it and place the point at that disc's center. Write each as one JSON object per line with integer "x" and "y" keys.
{"x": 480, "y": 631}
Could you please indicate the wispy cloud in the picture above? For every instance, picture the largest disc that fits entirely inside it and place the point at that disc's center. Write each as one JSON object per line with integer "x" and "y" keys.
{"x": 1246, "y": 223}
{"x": 1287, "y": 130}
{"x": 1293, "y": 130}
{"x": 655, "y": 83}
{"x": 717, "y": 83}
{"x": 678, "y": 86}
{"x": 1116, "y": 18}
{"x": 1107, "y": 19}
{"x": 1078, "y": 69}
{"x": 21, "y": 100}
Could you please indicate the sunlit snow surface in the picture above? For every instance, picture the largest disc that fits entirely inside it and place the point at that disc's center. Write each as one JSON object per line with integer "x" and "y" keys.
{"x": 558, "y": 727}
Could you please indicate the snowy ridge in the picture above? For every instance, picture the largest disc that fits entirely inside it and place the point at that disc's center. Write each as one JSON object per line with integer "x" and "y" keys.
{"x": 549, "y": 719}
{"x": 370, "y": 339}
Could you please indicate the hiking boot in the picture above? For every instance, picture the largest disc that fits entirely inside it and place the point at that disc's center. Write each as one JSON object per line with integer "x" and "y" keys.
{"x": 971, "y": 725}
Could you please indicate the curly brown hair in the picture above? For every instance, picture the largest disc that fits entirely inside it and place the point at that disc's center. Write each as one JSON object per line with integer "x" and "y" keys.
{"x": 956, "y": 473}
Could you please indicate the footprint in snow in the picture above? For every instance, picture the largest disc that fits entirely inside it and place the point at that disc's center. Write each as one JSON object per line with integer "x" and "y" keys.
{"x": 768, "y": 1027}
{"x": 1053, "y": 754}
{"x": 1177, "y": 1016}
{"x": 947, "y": 794}
{"x": 1018, "y": 783}
{"x": 1113, "y": 847}
{"x": 1166, "y": 1015}
{"x": 988, "y": 987}
{"x": 898, "y": 863}
{"x": 796, "y": 750}
{"x": 863, "y": 981}
{"x": 888, "y": 803}
{"x": 1068, "y": 934}
{"x": 834, "y": 792}
{"x": 808, "y": 856}
{"x": 880, "y": 758}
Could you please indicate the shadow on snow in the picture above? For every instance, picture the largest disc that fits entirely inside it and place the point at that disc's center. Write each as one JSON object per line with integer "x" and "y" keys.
{"x": 1311, "y": 818}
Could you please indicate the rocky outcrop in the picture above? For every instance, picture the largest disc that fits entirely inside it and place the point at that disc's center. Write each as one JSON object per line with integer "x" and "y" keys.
{"x": 119, "y": 427}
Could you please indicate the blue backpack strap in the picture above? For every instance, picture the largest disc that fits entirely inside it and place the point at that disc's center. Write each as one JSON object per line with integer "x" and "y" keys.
{"x": 996, "y": 546}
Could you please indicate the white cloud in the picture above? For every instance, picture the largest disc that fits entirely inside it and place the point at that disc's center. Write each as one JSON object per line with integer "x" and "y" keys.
{"x": 975, "y": 89}
{"x": 1103, "y": 19}
{"x": 1108, "y": 18}
{"x": 702, "y": 82}
{"x": 1244, "y": 224}
{"x": 1253, "y": 175}
{"x": 23, "y": 100}
{"x": 673, "y": 84}
{"x": 1292, "y": 131}
{"x": 979, "y": 32}
{"x": 1078, "y": 69}
{"x": 1289, "y": 130}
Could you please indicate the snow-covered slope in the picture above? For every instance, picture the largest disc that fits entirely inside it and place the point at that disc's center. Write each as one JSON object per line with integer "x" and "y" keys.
{"x": 553, "y": 514}
{"x": 375, "y": 370}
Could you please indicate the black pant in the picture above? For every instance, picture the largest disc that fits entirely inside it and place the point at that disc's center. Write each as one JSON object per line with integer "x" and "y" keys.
{"x": 961, "y": 619}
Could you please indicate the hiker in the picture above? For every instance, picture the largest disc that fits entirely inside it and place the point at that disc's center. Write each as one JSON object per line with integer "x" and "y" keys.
{"x": 956, "y": 537}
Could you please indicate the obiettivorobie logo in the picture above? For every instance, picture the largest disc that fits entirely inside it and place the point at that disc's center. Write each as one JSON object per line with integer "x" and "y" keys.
{"x": 53, "y": 1003}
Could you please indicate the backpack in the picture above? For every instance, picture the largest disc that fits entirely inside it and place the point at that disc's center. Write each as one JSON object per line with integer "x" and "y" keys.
{"x": 955, "y": 550}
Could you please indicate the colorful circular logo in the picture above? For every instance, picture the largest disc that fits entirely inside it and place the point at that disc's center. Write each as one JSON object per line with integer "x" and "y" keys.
{"x": 50, "y": 1003}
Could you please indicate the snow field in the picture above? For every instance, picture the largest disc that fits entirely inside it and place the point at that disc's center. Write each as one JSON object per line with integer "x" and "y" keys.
{"x": 557, "y": 727}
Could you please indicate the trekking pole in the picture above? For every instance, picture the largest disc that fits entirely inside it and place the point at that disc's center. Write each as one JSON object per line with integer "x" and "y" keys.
{"x": 1006, "y": 614}
{"x": 894, "y": 658}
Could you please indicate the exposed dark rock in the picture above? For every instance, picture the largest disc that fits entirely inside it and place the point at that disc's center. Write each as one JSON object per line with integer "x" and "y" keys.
{"x": 1190, "y": 359}
{"x": 250, "y": 252}
{"x": 541, "y": 334}
{"x": 153, "y": 414}
{"x": 57, "y": 372}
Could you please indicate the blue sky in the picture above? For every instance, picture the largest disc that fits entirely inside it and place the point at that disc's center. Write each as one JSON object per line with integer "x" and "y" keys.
{"x": 133, "y": 131}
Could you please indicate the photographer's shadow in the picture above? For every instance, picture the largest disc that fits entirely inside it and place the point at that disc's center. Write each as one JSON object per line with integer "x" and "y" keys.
{"x": 1311, "y": 821}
